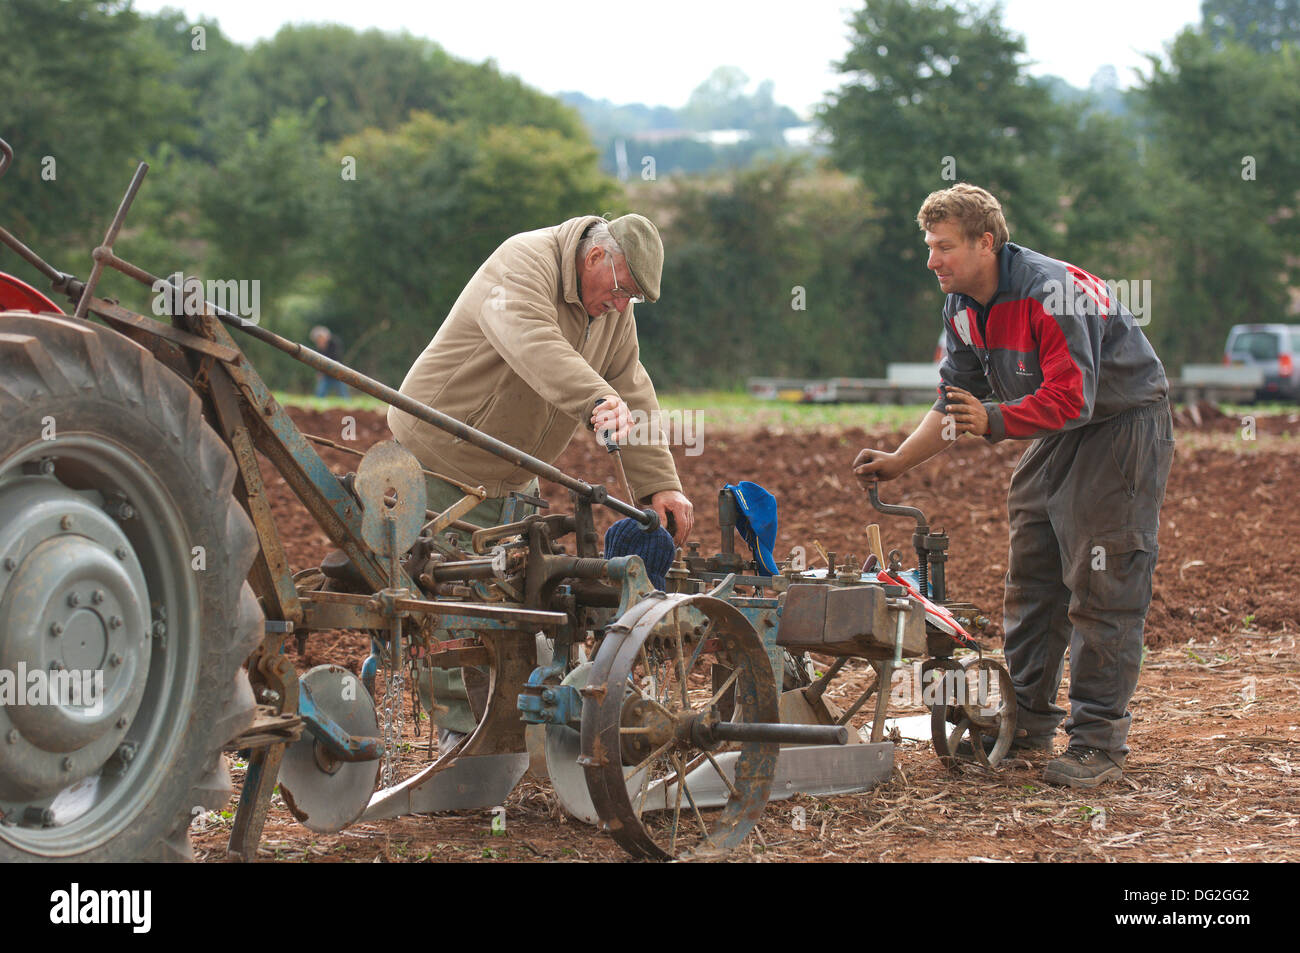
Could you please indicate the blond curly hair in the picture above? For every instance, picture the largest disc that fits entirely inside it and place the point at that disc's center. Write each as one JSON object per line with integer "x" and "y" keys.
{"x": 973, "y": 209}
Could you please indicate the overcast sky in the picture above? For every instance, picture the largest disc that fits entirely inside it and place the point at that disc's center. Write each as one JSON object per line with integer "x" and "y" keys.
{"x": 657, "y": 51}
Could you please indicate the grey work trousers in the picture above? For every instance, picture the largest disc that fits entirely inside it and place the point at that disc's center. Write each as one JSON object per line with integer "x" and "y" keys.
{"x": 1084, "y": 508}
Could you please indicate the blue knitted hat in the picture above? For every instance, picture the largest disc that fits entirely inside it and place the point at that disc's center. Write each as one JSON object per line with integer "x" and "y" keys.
{"x": 627, "y": 538}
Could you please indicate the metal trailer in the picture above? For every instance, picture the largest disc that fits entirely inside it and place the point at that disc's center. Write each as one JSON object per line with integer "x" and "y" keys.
{"x": 137, "y": 541}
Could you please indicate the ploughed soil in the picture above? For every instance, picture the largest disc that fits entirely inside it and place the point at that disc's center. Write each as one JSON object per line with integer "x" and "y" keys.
{"x": 1215, "y": 737}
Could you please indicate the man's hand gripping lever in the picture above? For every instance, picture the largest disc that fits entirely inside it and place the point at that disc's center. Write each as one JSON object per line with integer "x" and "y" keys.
{"x": 608, "y": 437}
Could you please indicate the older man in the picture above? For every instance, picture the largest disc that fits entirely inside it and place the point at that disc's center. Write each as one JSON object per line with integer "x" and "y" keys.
{"x": 541, "y": 341}
{"x": 540, "y": 337}
{"x": 1038, "y": 350}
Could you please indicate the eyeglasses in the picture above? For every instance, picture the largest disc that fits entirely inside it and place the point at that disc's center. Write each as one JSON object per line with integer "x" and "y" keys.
{"x": 618, "y": 292}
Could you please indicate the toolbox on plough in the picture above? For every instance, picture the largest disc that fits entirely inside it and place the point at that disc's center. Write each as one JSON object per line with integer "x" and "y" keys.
{"x": 137, "y": 542}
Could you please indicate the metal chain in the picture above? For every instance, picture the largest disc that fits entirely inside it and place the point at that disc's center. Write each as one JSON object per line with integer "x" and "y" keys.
{"x": 398, "y": 732}
{"x": 387, "y": 777}
{"x": 396, "y": 663}
{"x": 394, "y": 721}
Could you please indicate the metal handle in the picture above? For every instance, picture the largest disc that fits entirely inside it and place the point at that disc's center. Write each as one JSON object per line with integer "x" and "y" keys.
{"x": 918, "y": 538}
{"x": 894, "y": 510}
{"x": 607, "y": 437}
{"x": 612, "y": 448}
{"x": 104, "y": 252}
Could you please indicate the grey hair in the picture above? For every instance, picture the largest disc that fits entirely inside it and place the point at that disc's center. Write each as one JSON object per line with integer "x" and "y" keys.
{"x": 599, "y": 237}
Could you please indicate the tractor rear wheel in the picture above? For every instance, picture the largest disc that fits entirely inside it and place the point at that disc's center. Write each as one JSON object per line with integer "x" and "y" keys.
{"x": 123, "y": 559}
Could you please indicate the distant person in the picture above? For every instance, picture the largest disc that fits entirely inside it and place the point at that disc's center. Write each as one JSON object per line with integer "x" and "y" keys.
{"x": 1039, "y": 350}
{"x": 323, "y": 340}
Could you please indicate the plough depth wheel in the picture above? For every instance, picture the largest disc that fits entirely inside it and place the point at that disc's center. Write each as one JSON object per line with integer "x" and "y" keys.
{"x": 977, "y": 701}
{"x": 651, "y": 716}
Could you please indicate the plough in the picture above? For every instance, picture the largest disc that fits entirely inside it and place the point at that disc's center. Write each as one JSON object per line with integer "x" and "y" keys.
{"x": 669, "y": 718}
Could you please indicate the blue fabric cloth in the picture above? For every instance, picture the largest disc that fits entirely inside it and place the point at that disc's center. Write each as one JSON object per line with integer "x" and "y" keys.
{"x": 627, "y": 538}
{"x": 756, "y": 522}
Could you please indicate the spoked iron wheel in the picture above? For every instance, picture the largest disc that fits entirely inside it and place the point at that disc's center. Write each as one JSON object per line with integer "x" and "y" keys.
{"x": 978, "y": 703}
{"x": 651, "y": 717}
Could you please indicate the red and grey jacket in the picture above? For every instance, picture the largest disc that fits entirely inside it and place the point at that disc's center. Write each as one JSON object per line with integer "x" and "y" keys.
{"x": 1052, "y": 350}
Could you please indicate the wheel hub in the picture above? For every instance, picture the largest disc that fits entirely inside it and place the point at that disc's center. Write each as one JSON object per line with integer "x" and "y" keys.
{"x": 74, "y": 659}
{"x": 326, "y": 762}
{"x": 324, "y": 793}
{"x": 651, "y": 727}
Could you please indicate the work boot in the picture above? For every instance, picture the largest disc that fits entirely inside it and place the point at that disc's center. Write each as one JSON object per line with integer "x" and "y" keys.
{"x": 1084, "y": 767}
{"x": 1022, "y": 742}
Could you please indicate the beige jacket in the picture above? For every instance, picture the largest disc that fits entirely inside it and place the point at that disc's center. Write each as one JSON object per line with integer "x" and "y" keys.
{"x": 519, "y": 359}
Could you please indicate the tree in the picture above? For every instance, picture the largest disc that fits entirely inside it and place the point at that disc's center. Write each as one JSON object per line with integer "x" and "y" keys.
{"x": 260, "y": 208}
{"x": 710, "y": 103}
{"x": 937, "y": 94}
{"x": 375, "y": 79}
{"x": 209, "y": 67}
{"x": 762, "y": 275}
{"x": 429, "y": 202}
{"x": 82, "y": 105}
{"x": 720, "y": 102}
{"x": 1109, "y": 197}
{"x": 1223, "y": 123}
{"x": 1263, "y": 25}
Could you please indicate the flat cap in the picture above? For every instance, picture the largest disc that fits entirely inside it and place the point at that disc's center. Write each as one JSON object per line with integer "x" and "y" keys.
{"x": 643, "y": 249}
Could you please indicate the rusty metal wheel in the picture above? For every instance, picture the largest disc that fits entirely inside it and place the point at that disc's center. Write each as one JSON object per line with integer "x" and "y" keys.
{"x": 659, "y": 780}
{"x": 937, "y": 677}
{"x": 978, "y": 703}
